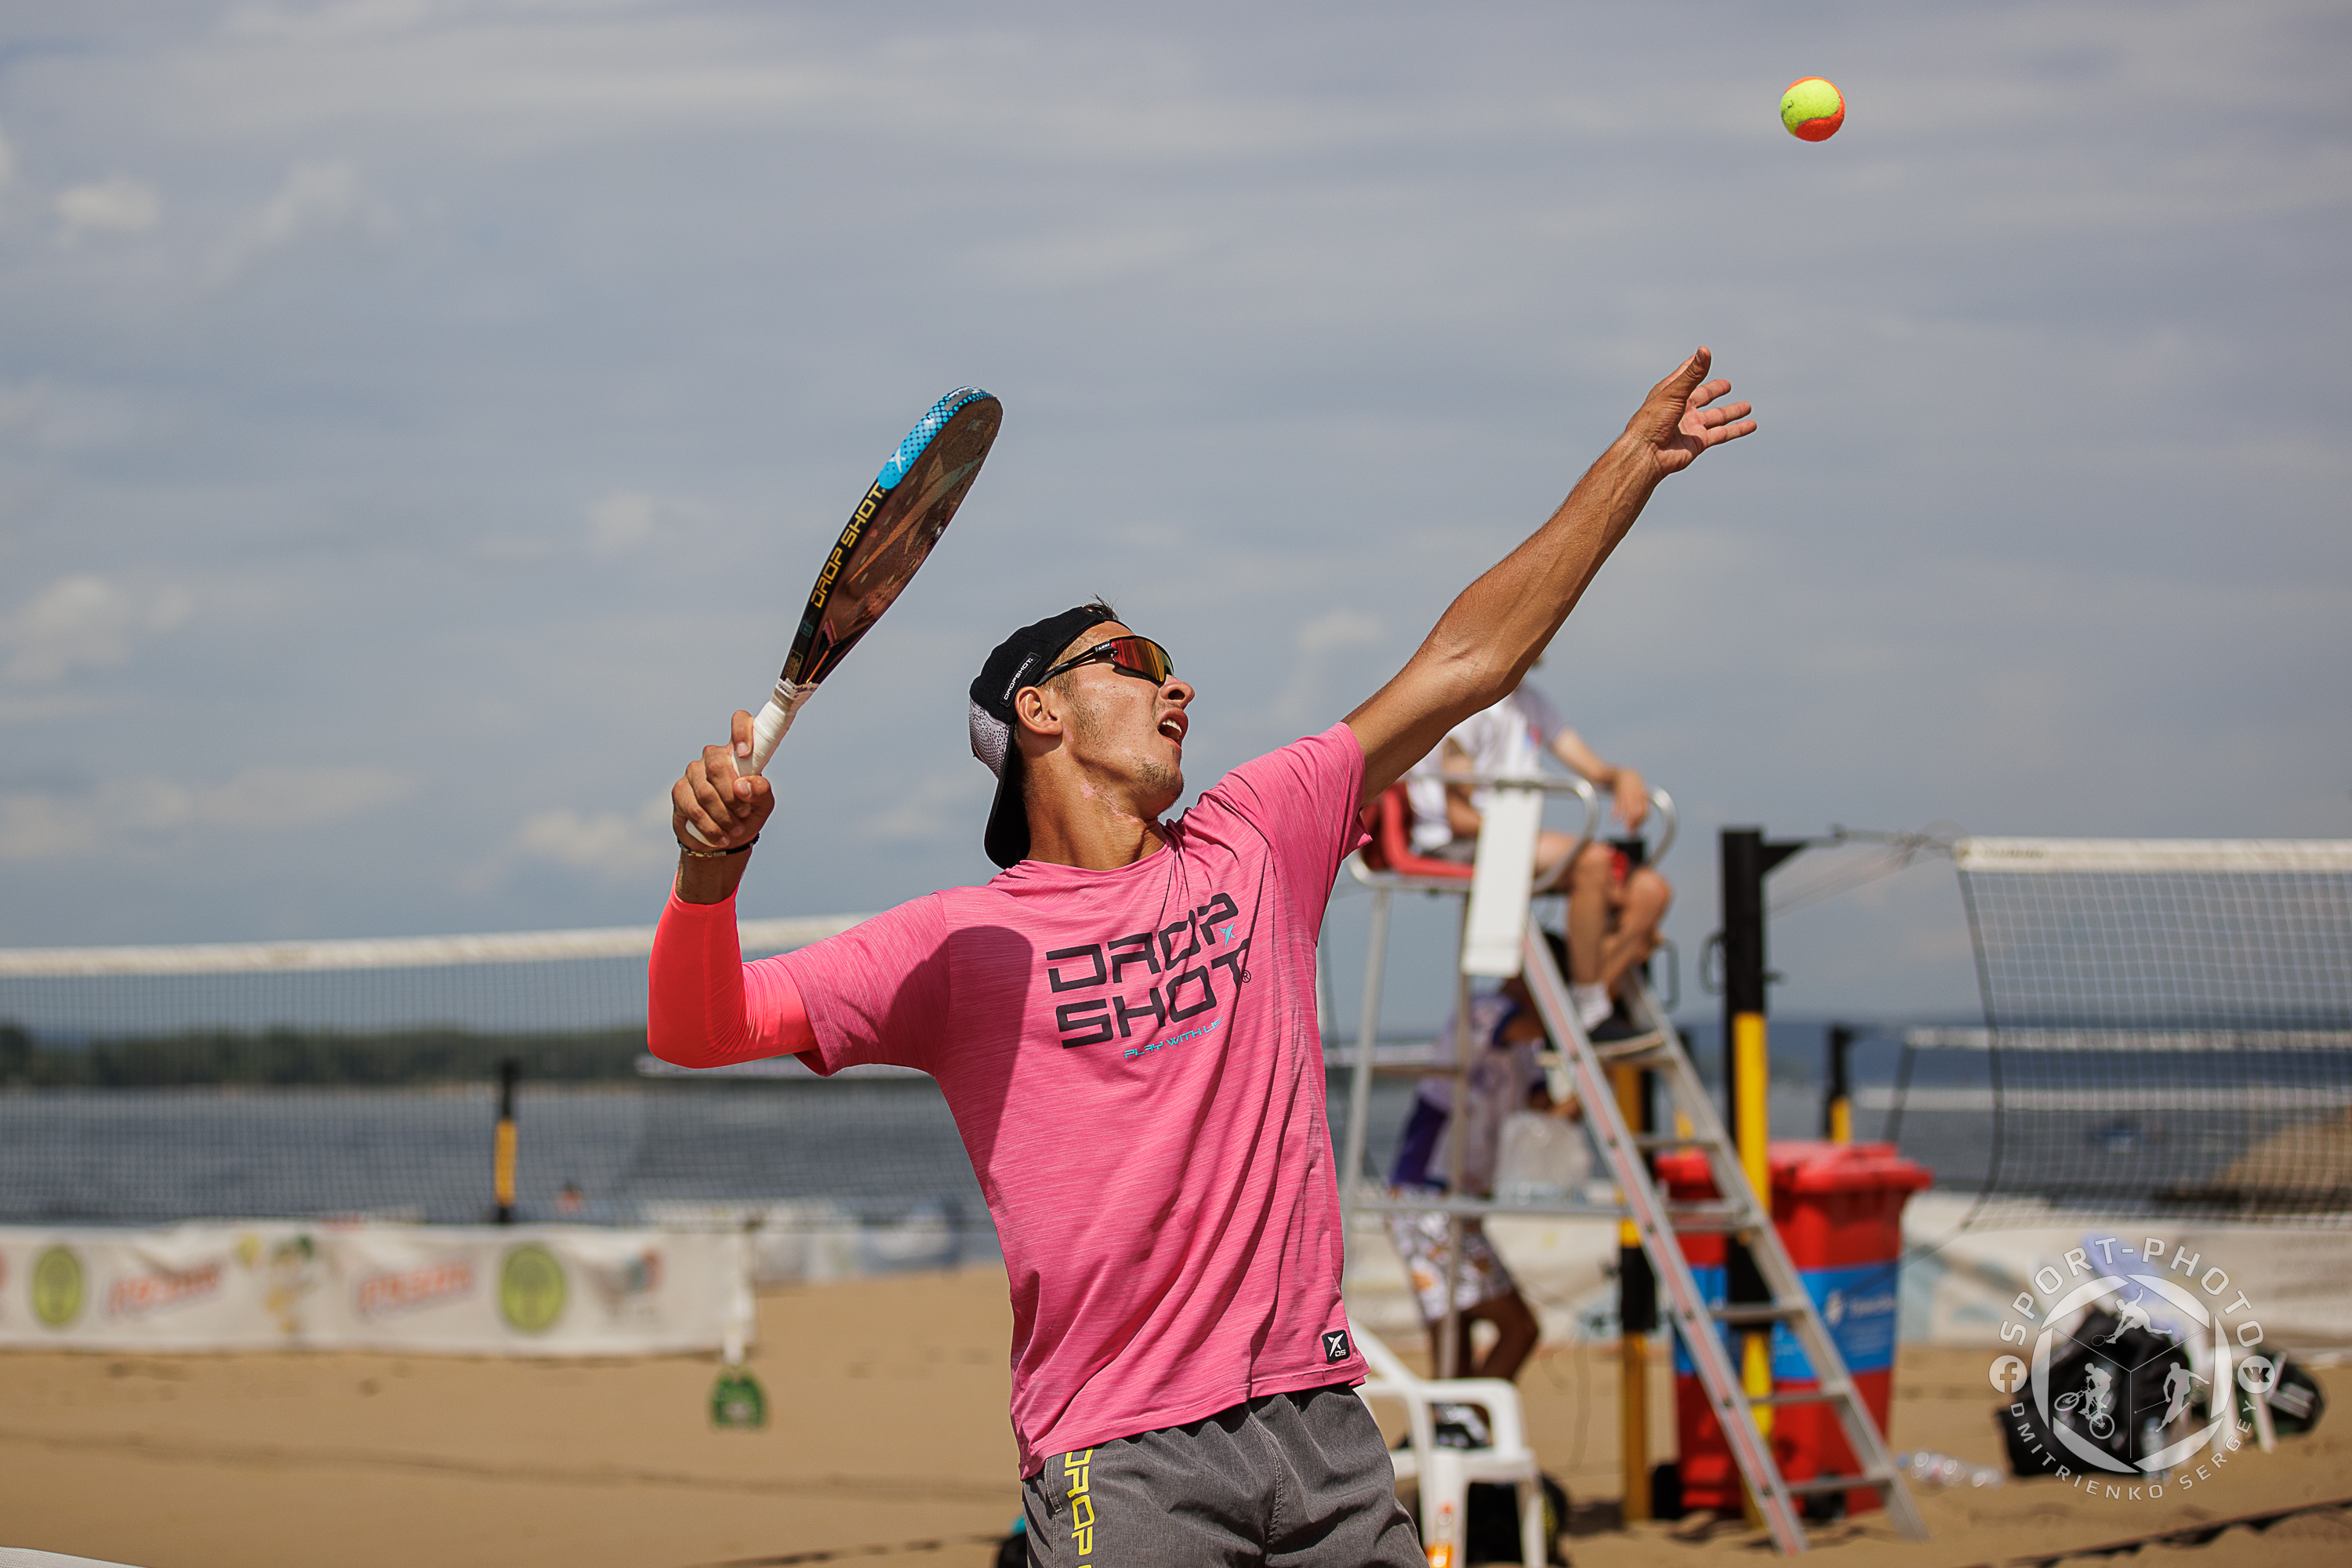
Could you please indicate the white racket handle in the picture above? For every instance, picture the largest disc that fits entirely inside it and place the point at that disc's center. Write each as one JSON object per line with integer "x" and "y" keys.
{"x": 768, "y": 728}
{"x": 776, "y": 717}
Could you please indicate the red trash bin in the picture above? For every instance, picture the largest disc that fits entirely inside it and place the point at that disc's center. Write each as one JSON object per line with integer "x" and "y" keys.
{"x": 1839, "y": 1210}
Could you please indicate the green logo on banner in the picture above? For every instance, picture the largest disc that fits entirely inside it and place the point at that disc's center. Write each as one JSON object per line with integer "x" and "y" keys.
{"x": 532, "y": 1289}
{"x": 57, "y": 1287}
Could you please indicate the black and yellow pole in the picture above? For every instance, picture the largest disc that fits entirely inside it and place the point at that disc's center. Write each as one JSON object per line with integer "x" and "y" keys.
{"x": 502, "y": 1150}
{"x": 1637, "y": 1319}
{"x": 1747, "y": 859}
{"x": 1837, "y": 1101}
{"x": 1637, "y": 1289}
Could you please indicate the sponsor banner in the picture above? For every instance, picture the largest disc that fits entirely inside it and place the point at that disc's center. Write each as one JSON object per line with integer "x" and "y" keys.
{"x": 811, "y": 1241}
{"x": 556, "y": 1291}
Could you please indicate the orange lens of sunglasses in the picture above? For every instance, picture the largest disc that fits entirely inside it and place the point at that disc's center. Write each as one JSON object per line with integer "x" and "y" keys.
{"x": 1139, "y": 657}
{"x": 1136, "y": 656}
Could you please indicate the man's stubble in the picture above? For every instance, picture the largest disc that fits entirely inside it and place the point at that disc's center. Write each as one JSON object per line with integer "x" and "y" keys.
{"x": 1157, "y": 781}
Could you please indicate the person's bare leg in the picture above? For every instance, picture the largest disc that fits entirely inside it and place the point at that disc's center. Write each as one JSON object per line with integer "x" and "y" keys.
{"x": 1639, "y": 909}
{"x": 1516, "y": 1334}
{"x": 1552, "y": 856}
{"x": 1587, "y": 912}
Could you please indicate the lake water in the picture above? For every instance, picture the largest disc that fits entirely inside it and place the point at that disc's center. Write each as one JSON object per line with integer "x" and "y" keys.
{"x": 881, "y": 1151}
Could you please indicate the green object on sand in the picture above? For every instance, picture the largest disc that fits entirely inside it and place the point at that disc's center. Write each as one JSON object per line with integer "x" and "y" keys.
{"x": 738, "y": 1404}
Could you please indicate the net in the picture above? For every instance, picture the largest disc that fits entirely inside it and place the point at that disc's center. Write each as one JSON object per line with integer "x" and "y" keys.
{"x": 147, "y": 1085}
{"x": 2168, "y": 1029}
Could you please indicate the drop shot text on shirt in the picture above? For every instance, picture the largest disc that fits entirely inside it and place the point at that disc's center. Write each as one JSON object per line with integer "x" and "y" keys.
{"x": 1134, "y": 1061}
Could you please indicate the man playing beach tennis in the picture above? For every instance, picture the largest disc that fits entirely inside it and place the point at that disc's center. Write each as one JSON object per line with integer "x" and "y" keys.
{"x": 1123, "y": 1024}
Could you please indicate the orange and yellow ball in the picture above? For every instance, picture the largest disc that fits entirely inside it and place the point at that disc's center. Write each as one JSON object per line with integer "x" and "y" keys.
{"x": 1812, "y": 109}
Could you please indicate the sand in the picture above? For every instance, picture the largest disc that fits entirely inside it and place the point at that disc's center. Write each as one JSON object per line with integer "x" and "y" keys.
{"x": 888, "y": 1441}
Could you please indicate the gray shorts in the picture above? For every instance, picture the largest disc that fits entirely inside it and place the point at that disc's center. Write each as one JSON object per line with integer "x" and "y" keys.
{"x": 1297, "y": 1479}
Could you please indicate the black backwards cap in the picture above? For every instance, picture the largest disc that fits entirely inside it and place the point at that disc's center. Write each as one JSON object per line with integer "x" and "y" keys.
{"x": 1016, "y": 662}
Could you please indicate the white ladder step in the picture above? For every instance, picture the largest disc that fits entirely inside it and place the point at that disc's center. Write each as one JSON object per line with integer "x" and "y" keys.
{"x": 1634, "y": 1052}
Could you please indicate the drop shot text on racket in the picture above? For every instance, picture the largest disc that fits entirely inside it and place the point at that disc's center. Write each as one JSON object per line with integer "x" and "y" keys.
{"x": 1123, "y": 1024}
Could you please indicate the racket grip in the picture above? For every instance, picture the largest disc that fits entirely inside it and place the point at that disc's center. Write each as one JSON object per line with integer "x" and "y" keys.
{"x": 768, "y": 727}
{"x": 773, "y": 720}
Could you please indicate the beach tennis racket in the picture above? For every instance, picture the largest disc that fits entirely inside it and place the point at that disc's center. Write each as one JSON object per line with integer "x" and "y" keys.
{"x": 885, "y": 541}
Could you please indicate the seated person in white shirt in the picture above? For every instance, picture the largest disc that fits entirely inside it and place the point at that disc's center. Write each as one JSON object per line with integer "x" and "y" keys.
{"x": 1615, "y": 910}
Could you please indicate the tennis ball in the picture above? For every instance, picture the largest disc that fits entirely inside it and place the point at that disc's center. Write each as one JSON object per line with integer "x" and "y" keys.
{"x": 1812, "y": 109}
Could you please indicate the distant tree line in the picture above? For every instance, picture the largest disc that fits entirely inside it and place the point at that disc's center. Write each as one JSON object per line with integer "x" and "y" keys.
{"x": 292, "y": 1056}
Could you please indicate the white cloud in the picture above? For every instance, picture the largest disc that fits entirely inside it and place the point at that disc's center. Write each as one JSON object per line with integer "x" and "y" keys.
{"x": 935, "y": 808}
{"x": 1332, "y": 631}
{"x": 349, "y": 20}
{"x": 620, "y": 524}
{"x": 85, "y": 621}
{"x": 316, "y": 198}
{"x": 21, "y": 409}
{"x": 609, "y": 846}
{"x": 37, "y": 824}
{"x": 70, "y": 416}
{"x": 1339, "y": 629}
{"x": 274, "y": 798}
{"x": 116, "y": 205}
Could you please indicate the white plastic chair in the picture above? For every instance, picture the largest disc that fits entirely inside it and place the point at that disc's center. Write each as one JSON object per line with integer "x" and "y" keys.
{"x": 1443, "y": 1475}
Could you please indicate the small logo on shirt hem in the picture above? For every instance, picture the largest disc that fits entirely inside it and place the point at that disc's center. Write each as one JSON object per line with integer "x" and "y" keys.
{"x": 1335, "y": 1345}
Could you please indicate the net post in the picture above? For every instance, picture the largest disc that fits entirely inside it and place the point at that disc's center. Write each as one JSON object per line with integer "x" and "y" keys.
{"x": 1637, "y": 1319}
{"x": 1837, "y": 1101}
{"x": 503, "y": 1151}
{"x": 1744, "y": 859}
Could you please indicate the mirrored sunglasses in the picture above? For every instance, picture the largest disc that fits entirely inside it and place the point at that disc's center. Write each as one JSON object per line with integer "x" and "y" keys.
{"x": 1139, "y": 657}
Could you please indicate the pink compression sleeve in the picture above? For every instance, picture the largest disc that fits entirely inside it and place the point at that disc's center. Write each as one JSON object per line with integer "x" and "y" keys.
{"x": 706, "y": 1007}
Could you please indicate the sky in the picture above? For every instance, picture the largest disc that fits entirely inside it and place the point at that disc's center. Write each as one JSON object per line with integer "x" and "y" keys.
{"x": 420, "y": 420}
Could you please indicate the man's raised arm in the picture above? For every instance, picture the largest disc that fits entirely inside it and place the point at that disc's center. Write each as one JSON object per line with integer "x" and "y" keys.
{"x": 1489, "y": 636}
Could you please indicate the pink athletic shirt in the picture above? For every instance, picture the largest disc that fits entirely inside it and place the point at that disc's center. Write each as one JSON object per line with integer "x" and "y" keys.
{"x": 1133, "y": 1060}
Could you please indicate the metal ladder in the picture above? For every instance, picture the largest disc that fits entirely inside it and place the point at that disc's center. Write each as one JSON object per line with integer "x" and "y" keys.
{"x": 1737, "y": 1215}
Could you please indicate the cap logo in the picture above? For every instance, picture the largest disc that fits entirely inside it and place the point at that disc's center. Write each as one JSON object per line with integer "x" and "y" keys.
{"x": 1020, "y": 679}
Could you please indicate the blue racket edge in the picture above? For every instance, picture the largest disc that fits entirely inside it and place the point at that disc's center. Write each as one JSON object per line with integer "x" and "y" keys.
{"x": 929, "y": 425}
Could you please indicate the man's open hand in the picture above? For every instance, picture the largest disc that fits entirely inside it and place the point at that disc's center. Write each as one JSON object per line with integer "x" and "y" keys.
{"x": 1674, "y": 424}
